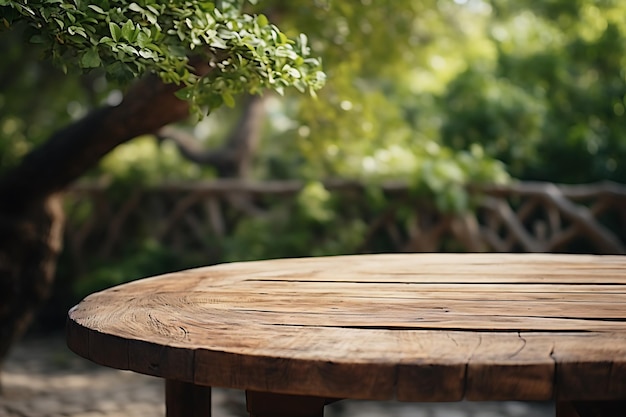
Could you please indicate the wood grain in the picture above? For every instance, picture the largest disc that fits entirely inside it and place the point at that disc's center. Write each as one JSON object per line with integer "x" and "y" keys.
{"x": 416, "y": 327}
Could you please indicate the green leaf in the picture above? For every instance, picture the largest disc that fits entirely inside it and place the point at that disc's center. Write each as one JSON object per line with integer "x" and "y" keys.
{"x": 90, "y": 59}
{"x": 106, "y": 40}
{"x": 153, "y": 10}
{"x": 26, "y": 8}
{"x": 130, "y": 50}
{"x": 148, "y": 54}
{"x": 77, "y": 30}
{"x": 136, "y": 8}
{"x": 228, "y": 99}
{"x": 185, "y": 93}
{"x": 143, "y": 38}
{"x": 96, "y": 9}
{"x": 151, "y": 18}
{"x": 218, "y": 43}
{"x": 128, "y": 31}
{"x": 262, "y": 20}
{"x": 116, "y": 31}
{"x": 291, "y": 71}
{"x": 304, "y": 49}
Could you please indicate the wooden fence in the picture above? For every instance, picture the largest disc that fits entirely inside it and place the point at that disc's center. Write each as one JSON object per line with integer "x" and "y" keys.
{"x": 193, "y": 217}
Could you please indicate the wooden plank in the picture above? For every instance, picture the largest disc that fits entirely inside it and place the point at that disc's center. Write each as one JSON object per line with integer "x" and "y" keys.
{"x": 400, "y": 268}
{"x": 420, "y": 288}
{"x": 477, "y": 366}
{"x": 162, "y": 361}
{"x": 434, "y": 365}
{"x": 325, "y": 378}
{"x": 431, "y": 383}
{"x": 77, "y": 337}
{"x": 271, "y": 322}
{"x": 108, "y": 350}
{"x": 443, "y": 276}
{"x": 600, "y": 307}
{"x": 590, "y": 366}
{"x": 511, "y": 366}
{"x": 602, "y": 379}
{"x": 406, "y": 295}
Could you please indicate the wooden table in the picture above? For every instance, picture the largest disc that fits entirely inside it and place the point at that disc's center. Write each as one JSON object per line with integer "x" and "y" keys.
{"x": 296, "y": 333}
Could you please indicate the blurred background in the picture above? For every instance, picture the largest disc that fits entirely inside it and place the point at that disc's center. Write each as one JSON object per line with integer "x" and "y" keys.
{"x": 444, "y": 125}
{"x": 441, "y": 127}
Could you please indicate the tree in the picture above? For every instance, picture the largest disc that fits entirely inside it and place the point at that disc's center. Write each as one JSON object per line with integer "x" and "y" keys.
{"x": 550, "y": 102}
{"x": 537, "y": 85}
{"x": 186, "y": 55}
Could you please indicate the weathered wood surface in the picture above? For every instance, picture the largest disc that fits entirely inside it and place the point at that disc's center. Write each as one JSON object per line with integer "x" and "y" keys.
{"x": 416, "y": 327}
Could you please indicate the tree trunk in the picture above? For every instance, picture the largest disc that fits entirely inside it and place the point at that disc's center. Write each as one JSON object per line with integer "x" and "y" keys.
{"x": 31, "y": 218}
{"x": 30, "y": 242}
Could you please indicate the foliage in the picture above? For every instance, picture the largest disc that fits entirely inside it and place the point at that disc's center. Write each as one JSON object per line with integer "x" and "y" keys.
{"x": 551, "y": 104}
{"x": 244, "y": 52}
{"x": 315, "y": 223}
{"x": 377, "y": 118}
{"x": 539, "y": 87}
{"x": 26, "y": 120}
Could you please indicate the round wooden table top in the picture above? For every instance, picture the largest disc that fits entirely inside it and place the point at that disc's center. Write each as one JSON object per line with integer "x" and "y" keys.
{"x": 415, "y": 327}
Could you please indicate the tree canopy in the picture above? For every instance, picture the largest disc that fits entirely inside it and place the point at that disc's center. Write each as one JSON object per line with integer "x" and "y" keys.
{"x": 127, "y": 39}
{"x": 539, "y": 87}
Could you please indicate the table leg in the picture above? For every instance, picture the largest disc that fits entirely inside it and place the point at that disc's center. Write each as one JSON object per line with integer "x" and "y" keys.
{"x": 266, "y": 404}
{"x": 183, "y": 399}
{"x": 590, "y": 408}
{"x": 565, "y": 409}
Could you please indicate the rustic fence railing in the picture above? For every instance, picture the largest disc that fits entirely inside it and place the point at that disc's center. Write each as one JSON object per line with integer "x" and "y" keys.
{"x": 194, "y": 216}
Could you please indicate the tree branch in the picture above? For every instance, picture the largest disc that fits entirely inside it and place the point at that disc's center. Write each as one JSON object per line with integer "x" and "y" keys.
{"x": 235, "y": 157}
{"x": 71, "y": 151}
